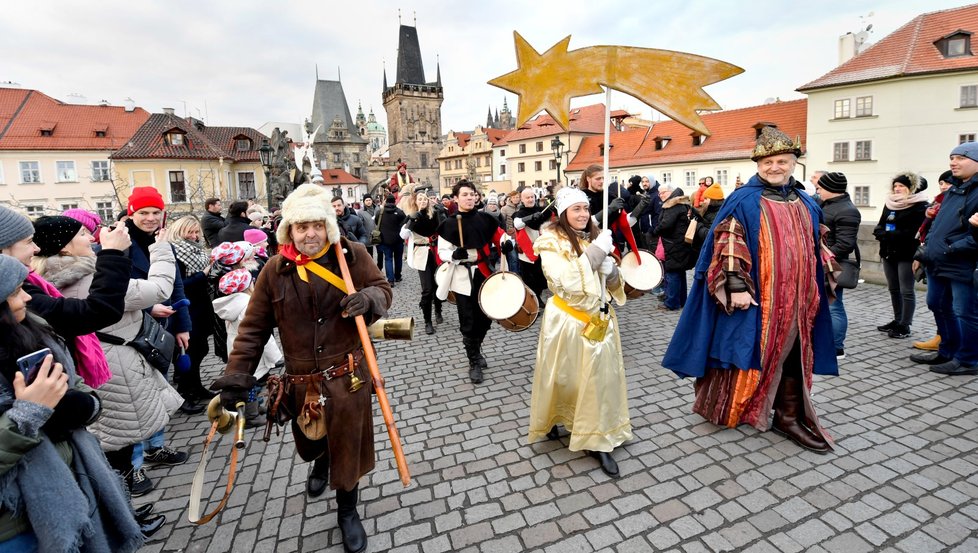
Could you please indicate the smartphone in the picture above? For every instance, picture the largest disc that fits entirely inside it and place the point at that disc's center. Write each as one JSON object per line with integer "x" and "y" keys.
{"x": 30, "y": 364}
{"x": 163, "y": 223}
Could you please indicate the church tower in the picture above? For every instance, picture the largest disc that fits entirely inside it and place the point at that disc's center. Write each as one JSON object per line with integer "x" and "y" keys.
{"x": 413, "y": 108}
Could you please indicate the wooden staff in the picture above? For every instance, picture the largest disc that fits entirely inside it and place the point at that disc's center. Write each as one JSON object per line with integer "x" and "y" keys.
{"x": 371, "y": 357}
{"x": 461, "y": 241}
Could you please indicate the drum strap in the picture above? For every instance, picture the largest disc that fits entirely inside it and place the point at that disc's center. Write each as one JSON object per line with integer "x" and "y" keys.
{"x": 576, "y": 313}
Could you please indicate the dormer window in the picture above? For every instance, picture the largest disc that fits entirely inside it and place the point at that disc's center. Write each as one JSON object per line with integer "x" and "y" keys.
{"x": 242, "y": 144}
{"x": 955, "y": 45}
{"x": 661, "y": 142}
{"x": 175, "y": 138}
{"x": 99, "y": 134}
{"x": 698, "y": 139}
{"x": 47, "y": 132}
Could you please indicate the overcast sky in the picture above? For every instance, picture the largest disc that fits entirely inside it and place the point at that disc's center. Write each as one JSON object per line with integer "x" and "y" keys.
{"x": 240, "y": 62}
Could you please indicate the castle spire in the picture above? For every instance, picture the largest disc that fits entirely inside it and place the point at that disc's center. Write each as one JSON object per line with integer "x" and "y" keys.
{"x": 385, "y": 76}
{"x": 489, "y": 118}
{"x": 438, "y": 67}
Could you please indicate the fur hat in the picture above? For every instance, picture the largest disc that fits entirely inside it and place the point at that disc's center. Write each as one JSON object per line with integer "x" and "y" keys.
{"x": 833, "y": 182}
{"x": 53, "y": 232}
{"x": 12, "y": 275}
{"x": 91, "y": 220}
{"x": 713, "y": 192}
{"x": 144, "y": 196}
{"x": 908, "y": 179}
{"x": 772, "y": 142}
{"x": 307, "y": 203}
{"x": 14, "y": 227}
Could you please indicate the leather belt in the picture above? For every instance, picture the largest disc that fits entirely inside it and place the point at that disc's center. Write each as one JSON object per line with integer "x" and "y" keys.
{"x": 330, "y": 373}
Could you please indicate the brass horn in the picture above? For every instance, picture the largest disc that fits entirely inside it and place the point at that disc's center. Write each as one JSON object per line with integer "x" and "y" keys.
{"x": 392, "y": 329}
{"x": 226, "y": 420}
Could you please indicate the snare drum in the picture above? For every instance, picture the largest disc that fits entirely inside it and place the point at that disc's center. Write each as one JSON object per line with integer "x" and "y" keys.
{"x": 505, "y": 299}
{"x": 640, "y": 279}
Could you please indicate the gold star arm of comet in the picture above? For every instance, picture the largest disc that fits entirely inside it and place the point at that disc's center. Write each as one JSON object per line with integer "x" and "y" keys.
{"x": 670, "y": 82}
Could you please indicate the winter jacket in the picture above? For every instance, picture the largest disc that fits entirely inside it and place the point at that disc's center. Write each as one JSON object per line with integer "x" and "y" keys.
{"x": 951, "y": 250}
{"x": 179, "y": 321}
{"x": 232, "y": 310}
{"x": 137, "y": 401}
{"x": 842, "y": 219}
{"x": 211, "y": 224}
{"x": 672, "y": 231}
{"x": 901, "y": 243}
{"x": 71, "y": 317}
{"x": 390, "y": 225}
{"x": 234, "y": 230}
{"x": 705, "y": 223}
{"x": 352, "y": 226}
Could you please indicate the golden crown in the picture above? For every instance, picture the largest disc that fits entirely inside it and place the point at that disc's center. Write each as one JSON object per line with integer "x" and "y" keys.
{"x": 772, "y": 142}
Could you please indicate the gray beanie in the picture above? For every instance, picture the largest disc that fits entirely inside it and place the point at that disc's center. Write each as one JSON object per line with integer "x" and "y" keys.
{"x": 12, "y": 275}
{"x": 14, "y": 227}
{"x": 968, "y": 149}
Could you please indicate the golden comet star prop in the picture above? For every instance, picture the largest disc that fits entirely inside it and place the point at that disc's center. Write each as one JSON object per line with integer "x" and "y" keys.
{"x": 670, "y": 82}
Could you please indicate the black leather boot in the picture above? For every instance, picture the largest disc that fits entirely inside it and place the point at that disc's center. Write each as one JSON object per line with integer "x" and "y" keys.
{"x": 789, "y": 414}
{"x": 438, "y": 317}
{"x": 476, "y": 361}
{"x": 426, "y": 312}
{"x": 318, "y": 476}
{"x": 348, "y": 519}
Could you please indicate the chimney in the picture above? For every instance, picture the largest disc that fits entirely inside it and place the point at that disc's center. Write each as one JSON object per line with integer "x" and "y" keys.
{"x": 130, "y": 104}
{"x": 847, "y": 47}
{"x": 168, "y": 111}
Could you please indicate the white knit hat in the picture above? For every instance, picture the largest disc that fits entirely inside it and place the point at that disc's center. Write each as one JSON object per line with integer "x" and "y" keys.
{"x": 307, "y": 203}
{"x": 568, "y": 196}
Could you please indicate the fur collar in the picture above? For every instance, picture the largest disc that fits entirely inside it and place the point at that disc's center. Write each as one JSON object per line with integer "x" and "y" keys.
{"x": 65, "y": 270}
{"x": 675, "y": 200}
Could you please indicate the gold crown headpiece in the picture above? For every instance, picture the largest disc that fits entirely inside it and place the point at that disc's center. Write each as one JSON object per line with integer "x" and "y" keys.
{"x": 772, "y": 142}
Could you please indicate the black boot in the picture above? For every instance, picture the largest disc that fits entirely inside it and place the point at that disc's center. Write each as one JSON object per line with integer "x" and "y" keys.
{"x": 476, "y": 361}
{"x": 428, "y": 327}
{"x": 438, "y": 317}
{"x": 318, "y": 476}
{"x": 348, "y": 519}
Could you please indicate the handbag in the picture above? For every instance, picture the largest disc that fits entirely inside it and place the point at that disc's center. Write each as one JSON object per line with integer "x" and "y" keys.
{"x": 375, "y": 235}
{"x": 153, "y": 342}
{"x": 691, "y": 231}
{"x": 848, "y": 276}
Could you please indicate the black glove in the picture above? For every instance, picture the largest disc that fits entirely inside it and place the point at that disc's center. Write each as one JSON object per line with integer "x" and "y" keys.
{"x": 535, "y": 220}
{"x": 643, "y": 202}
{"x": 232, "y": 395}
{"x": 506, "y": 247}
{"x": 75, "y": 410}
{"x": 355, "y": 304}
{"x": 615, "y": 205}
{"x": 460, "y": 254}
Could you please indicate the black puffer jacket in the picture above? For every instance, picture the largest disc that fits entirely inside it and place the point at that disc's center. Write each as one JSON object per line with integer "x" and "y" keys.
{"x": 672, "y": 231}
{"x": 901, "y": 243}
{"x": 842, "y": 219}
{"x": 234, "y": 230}
{"x": 390, "y": 225}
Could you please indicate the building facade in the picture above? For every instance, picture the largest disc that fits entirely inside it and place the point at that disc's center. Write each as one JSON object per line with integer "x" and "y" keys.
{"x": 468, "y": 156}
{"x": 900, "y": 105}
{"x": 413, "y": 108}
{"x": 337, "y": 141}
{"x": 188, "y": 162}
{"x": 55, "y": 155}
{"x": 676, "y": 156}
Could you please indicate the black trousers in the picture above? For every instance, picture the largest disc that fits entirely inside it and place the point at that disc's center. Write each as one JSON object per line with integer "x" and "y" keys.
{"x": 533, "y": 277}
{"x": 428, "y": 288}
{"x": 473, "y": 323}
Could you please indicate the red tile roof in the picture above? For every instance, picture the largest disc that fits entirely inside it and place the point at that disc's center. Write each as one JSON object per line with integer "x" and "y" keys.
{"x": 463, "y": 139}
{"x": 732, "y": 137}
{"x": 201, "y": 141}
{"x": 910, "y": 50}
{"x": 25, "y": 113}
{"x": 495, "y": 136}
{"x": 587, "y": 119}
{"x": 332, "y": 177}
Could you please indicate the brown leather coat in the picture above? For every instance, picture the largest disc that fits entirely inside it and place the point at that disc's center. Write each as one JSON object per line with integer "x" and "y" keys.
{"x": 315, "y": 337}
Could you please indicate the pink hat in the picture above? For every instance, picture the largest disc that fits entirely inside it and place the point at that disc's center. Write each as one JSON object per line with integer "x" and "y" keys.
{"x": 237, "y": 280}
{"x": 231, "y": 253}
{"x": 255, "y": 236}
{"x": 90, "y": 220}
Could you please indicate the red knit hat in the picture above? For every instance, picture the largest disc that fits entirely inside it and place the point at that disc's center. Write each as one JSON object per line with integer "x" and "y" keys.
{"x": 144, "y": 196}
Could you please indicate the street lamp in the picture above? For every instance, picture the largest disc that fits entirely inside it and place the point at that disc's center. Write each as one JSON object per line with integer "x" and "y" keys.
{"x": 558, "y": 147}
{"x": 265, "y": 155}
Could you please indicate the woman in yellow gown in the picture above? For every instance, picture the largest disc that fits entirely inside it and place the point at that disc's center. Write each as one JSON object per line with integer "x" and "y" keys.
{"x": 579, "y": 382}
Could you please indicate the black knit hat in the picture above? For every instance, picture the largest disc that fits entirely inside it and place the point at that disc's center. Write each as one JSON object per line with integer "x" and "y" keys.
{"x": 905, "y": 181}
{"x": 945, "y": 176}
{"x": 53, "y": 232}
{"x": 634, "y": 180}
{"x": 833, "y": 182}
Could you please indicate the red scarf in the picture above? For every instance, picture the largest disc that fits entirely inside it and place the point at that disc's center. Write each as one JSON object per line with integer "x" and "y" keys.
{"x": 90, "y": 362}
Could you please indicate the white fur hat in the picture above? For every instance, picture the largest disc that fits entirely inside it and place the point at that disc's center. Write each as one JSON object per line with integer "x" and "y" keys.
{"x": 567, "y": 197}
{"x": 309, "y": 202}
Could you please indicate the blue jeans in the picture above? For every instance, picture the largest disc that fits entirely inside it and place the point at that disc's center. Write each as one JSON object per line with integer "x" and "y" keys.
{"x": 513, "y": 261}
{"x": 840, "y": 321}
{"x": 955, "y": 307}
{"x": 154, "y": 442}
{"x": 675, "y": 290}
{"x": 393, "y": 258}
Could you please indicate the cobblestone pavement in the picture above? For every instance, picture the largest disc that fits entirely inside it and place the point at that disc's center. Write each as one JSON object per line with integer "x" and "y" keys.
{"x": 903, "y": 477}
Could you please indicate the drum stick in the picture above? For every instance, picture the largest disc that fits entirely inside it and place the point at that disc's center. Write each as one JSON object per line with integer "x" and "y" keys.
{"x": 371, "y": 358}
{"x": 461, "y": 240}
